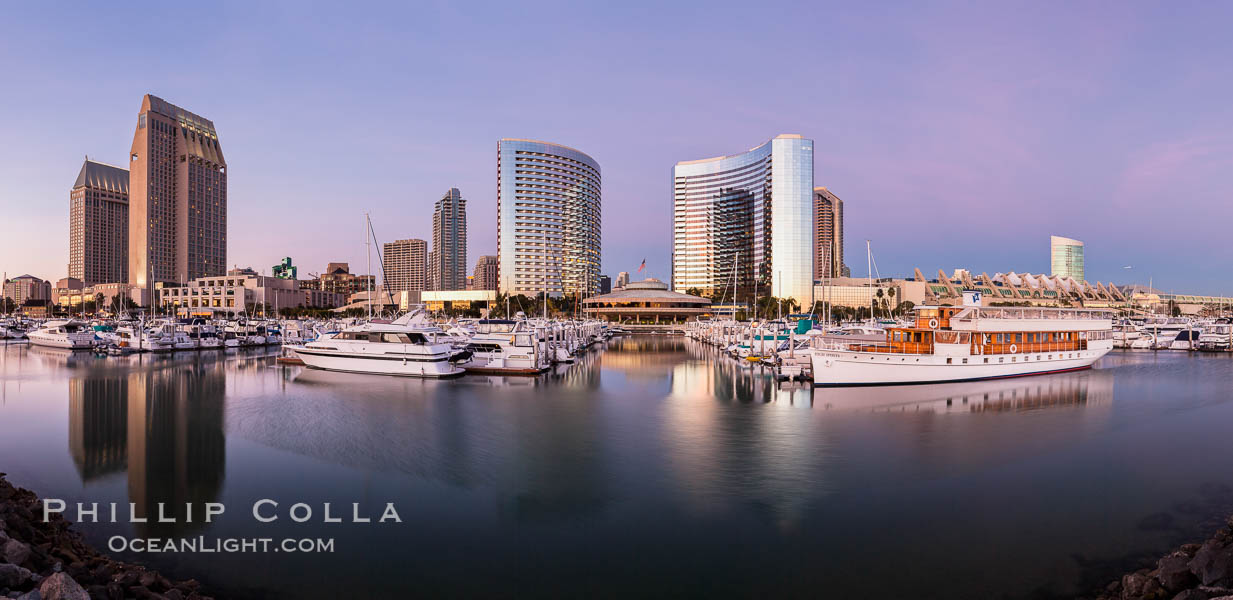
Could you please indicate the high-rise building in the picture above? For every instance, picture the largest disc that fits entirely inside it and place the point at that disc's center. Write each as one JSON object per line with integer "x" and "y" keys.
{"x": 177, "y": 197}
{"x": 745, "y": 222}
{"x": 548, "y": 219}
{"x": 605, "y": 284}
{"x": 1066, "y": 257}
{"x": 406, "y": 265}
{"x": 449, "y": 242}
{"x": 827, "y": 234}
{"x": 486, "y": 273}
{"x": 98, "y": 225}
{"x": 622, "y": 279}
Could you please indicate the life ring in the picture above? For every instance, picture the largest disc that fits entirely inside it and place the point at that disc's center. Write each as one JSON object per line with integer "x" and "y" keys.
{"x": 933, "y": 323}
{"x": 827, "y": 362}
{"x": 1013, "y": 348}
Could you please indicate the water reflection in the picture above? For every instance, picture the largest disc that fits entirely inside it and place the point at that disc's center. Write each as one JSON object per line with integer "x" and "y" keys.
{"x": 619, "y": 464}
{"x": 162, "y": 423}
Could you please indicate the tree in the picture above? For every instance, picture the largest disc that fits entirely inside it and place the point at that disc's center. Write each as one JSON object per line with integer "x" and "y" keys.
{"x": 904, "y": 307}
{"x": 7, "y": 305}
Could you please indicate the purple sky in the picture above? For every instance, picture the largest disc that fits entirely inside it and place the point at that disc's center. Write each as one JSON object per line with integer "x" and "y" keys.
{"x": 958, "y": 134}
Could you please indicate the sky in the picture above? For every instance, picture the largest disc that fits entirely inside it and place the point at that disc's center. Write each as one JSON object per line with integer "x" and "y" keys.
{"x": 958, "y": 134}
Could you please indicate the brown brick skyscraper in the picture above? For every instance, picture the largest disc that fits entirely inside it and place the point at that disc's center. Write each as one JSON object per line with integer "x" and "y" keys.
{"x": 98, "y": 224}
{"x": 177, "y": 196}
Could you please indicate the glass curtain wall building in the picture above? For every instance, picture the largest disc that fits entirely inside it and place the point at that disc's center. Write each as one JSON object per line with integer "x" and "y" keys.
{"x": 743, "y": 224}
{"x": 548, "y": 219}
{"x": 1066, "y": 257}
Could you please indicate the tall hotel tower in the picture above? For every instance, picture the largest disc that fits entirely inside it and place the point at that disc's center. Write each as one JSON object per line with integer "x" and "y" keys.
{"x": 98, "y": 225}
{"x": 449, "y": 242}
{"x": 177, "y": 197}
{"x": 827, "y": 234}
{"x": 748, "y": 215}
{"x": 548, "y": 219}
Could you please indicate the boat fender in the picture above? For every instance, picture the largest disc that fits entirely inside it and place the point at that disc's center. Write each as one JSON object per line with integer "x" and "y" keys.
{"x": 1013, "y": 349}
{"x": 933, "y": 323}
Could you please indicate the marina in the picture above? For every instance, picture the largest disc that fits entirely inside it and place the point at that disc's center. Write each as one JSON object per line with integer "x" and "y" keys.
{"x": 537, "y": 477}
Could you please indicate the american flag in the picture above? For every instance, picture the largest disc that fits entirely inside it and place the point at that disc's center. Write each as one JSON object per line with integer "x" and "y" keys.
{"x": 642, "y": 266}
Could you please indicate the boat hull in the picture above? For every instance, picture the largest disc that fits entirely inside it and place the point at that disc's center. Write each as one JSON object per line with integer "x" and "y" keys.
{"x": 377, "y": 365}
{"x": 844, "y": 368}
{"x": 68, "y": 343}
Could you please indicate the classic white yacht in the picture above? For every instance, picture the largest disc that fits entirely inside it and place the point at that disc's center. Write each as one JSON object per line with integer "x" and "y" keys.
{"x": 60, "y": 333}
{"x": 959, "y": 343}
{"x": 381, "y": 349}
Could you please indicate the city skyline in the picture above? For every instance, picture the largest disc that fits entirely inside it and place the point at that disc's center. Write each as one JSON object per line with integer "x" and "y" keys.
{"x": 980, "y": 124}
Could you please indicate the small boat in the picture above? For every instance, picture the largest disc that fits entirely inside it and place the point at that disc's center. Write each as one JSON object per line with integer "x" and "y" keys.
{"x": 1217, "y": 337}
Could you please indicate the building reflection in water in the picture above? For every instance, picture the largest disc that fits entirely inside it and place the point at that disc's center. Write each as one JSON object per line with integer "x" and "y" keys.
{"x": 781, "y": 455}
{"x": 163, "y": 424}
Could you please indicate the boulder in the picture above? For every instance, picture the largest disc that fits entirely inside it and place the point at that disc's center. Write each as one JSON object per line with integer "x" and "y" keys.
{"x": 31, "y": 595}
{"x": 62, "y": 587}
{"x": 1192, "y": 595}
{"x": 12, "y": 576}
{"x": 1213, "y": 564}
{"x": 1133, "y": 585}
{"x": 15, "y": 552}
{"x": 1173, "y": 572}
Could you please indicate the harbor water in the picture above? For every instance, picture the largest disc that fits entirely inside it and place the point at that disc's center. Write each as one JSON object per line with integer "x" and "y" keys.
{"x": 654, "y": 466}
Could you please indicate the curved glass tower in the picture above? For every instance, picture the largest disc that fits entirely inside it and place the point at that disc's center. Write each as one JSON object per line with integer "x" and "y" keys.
{"x": 1066, "y": 257}
{"x": 744, "y": 222}
{"x": 548, "y": 219}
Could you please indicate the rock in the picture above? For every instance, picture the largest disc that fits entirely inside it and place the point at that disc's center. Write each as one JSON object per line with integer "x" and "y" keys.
{"x": 1133, "y": 585}
{"x": 173, "y": 595}
{"x": 31, "y": 595}
{"x": 62, "y": 587}
{"x": 1173, "y": 572}
{"x": 147, "y": 579}
{"x": 1191, "y": 595}
{"x": 1213, "y": 564}
{"x": 15, "y": 552}
{"x": 12, "y": 576}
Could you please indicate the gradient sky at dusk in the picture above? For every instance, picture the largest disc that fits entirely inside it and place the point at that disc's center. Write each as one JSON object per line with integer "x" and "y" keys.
{"x": 958, "y": 134}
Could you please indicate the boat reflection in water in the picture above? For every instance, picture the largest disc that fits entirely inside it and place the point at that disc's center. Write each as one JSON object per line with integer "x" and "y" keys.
{"x": 162, "y": 425}
{"x": 1083, "y": 388}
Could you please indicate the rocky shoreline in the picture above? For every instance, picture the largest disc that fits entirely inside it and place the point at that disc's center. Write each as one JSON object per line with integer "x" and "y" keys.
{"x": 1192, "y": 572}
{"x": 51, "y": 561}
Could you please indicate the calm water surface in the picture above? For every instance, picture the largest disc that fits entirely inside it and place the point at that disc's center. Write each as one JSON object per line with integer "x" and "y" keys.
{"x": 651, "y": 467}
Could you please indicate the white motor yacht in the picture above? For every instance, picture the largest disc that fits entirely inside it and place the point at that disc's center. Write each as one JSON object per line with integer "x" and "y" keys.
{"x": 1216, "y": 337}
{"x": 60, "y": 333}
{"x": 380, "y": 349}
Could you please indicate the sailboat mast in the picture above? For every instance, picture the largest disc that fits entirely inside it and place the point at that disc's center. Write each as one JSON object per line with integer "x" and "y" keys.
{"x": 869, "y": 261}
{"x": 368, "y": 255}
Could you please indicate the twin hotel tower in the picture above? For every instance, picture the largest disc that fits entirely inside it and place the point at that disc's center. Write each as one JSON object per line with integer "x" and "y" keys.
{"x": 753, "y": 220}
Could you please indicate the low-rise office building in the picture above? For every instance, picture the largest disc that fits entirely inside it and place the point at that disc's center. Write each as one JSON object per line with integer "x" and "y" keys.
{"x": 458, "y": 299}
{"x": 237, "y": 293}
